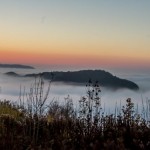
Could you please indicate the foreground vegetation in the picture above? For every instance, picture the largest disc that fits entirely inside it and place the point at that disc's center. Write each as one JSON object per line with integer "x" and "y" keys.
{"x": 57, "y": 126}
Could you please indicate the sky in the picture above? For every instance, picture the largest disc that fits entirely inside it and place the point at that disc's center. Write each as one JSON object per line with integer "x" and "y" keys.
{"x": 94, "y": 33}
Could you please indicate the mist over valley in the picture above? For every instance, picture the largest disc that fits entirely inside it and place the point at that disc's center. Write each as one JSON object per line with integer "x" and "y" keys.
{"x": 10, "y": 87}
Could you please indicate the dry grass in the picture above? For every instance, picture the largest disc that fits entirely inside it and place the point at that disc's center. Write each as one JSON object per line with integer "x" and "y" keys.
{"x": 63, "y": 128}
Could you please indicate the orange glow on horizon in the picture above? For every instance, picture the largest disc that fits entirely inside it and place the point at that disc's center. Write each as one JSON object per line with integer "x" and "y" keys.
{"x": 91, "y": 34}
{"x": 71, "y": 59}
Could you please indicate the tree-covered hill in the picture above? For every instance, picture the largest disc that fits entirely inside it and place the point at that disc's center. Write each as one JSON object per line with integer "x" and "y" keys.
{"x": 106, "y": 79}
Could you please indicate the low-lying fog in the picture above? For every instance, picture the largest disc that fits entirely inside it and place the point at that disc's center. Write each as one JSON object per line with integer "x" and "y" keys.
{"x": 10, "y": 89}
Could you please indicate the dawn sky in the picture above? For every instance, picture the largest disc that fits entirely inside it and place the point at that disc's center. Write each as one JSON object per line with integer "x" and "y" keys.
{"x": 111, "y": 33}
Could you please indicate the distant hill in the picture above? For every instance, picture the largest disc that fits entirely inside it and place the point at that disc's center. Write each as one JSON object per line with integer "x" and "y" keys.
{"x": 18, "y": 66}
{"x": 105, "y": 79}
{"x": 12, "y": 74}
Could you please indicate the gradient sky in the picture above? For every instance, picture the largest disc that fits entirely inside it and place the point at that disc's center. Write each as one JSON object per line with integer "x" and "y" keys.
{"x": 108, "y": 33}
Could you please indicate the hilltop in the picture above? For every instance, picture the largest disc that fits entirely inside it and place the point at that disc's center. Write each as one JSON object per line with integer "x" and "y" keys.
{"x": 81, "y": 77}
{"x": 18, "y": 66}
{"x": 106, "y": 79}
